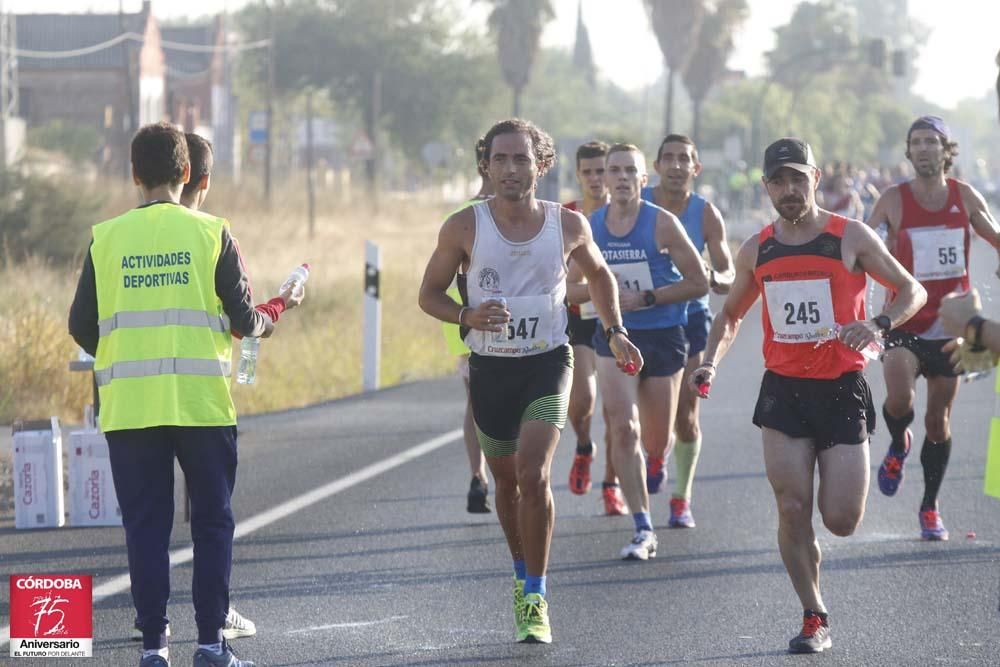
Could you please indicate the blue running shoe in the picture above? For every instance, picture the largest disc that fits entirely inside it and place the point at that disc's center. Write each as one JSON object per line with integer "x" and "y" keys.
{"x": 680, "y": 514}
{"x": 931, "y": 527}
{"x": 890, "y": 473}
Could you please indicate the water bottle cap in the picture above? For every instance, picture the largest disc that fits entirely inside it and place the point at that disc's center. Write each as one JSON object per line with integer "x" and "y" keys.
{"x": 305, "y": 265}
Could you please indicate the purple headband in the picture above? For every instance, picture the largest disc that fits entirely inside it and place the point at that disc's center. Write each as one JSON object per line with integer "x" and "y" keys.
{"x": 935, "y": 123}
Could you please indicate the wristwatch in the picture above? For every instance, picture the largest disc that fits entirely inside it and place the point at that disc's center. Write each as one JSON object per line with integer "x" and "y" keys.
{"x": 612, "y": 330}
{"x": 884, "y": 323}
{"x": 649, "y": 297}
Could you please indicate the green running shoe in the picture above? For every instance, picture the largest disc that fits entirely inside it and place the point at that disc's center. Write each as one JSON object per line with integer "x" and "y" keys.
{"x": 518, "y": 601}
{"x": 533, "y": 621}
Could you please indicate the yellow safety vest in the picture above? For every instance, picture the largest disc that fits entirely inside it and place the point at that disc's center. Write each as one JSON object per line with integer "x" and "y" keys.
{"x": 165, "y": 350}
{"x": 991, "y": 481}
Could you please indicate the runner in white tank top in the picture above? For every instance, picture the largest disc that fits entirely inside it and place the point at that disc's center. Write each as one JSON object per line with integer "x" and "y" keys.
{"x": 516, "y": 248}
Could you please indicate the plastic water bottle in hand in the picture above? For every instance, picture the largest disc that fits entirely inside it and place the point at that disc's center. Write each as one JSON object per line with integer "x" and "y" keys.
{"x": 872, "y": 351}
{"x": 247, "y": 373}
{"x": 500, "y": 336}
{"x": 296, "y": 278}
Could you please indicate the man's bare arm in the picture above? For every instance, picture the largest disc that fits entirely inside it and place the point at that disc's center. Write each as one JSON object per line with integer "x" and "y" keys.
{"x": 885, "y": 209}
{"x": 980, "y": 217}
{"x": 577, "y": 290}
{"x": 442, "y": 266}
{"x": 743, "y": 293}
{"x": 586, "y": 257}
{"x": 872, "y": 256}
{"x": 671, "y": 237}
{"x": 714, "y": 230}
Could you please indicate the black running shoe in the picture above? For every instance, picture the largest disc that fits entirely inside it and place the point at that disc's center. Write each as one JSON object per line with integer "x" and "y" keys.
{"x": 479, "y": 502}
{"x": 815, "y": 635}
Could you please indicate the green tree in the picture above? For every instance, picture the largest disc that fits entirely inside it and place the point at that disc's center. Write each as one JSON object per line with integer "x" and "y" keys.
{"x": 715, "y": 45}
{"x": 78, "y": 142}
{"x": 517, "y": 26}
{"x": 397, "y": 66}
{"x": 819, "y": 36}
{"x": 676, "y": 24}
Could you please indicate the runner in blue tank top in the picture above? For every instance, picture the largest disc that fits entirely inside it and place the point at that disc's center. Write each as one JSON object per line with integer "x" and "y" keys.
{"x": 677, "y": 164}
{"x": 635, "y": 238}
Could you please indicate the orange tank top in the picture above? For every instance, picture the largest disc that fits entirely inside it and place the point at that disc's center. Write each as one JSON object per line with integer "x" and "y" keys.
{"x": 807, "y": 291}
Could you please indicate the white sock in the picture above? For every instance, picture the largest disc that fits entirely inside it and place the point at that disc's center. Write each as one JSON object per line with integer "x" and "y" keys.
{"x": 162, "y": 652}
{"x": 214, "y": 648}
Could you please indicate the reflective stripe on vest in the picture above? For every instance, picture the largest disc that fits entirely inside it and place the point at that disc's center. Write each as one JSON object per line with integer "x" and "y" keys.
{"x": 163, "y": 318}
{"x": 167, "y": 366}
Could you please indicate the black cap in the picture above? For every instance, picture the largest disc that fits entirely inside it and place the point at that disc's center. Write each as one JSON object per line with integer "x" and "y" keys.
{"x": 788, "y": 152}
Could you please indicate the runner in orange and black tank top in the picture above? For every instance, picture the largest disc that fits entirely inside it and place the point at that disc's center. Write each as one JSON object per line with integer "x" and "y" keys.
{"x": 798, "y": 318}
{"x": 941, "y": 240}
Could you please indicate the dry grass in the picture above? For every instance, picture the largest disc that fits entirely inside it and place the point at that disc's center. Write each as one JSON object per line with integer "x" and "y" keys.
{"x": 315, "y": 353}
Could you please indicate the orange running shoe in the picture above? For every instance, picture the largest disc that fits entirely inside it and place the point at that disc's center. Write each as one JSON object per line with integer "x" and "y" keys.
{"x": 614, "y": 503}
{"x": 579, "y": 473}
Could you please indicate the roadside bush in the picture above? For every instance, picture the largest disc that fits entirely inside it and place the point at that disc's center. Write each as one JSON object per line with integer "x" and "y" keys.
{"x": 46, "y": 217}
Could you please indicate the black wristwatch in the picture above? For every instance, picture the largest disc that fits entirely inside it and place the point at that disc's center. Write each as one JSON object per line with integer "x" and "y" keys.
{"x": 649, "y": 297}
{"x": 884, "y": 323}
{"x": 612, "y": 330}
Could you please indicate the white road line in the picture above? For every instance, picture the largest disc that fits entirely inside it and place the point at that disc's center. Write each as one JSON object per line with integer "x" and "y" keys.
{"x": 355, "y": 624}
{"x": 266, "y": 518}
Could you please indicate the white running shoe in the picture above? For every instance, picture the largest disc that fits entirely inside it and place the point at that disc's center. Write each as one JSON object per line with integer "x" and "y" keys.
{"x": 642, "y": 546}
{"x": 237, "y": 626}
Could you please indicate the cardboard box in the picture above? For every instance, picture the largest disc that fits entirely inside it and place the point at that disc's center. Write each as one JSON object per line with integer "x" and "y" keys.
{"x": 92, "y": 499}
{"x": 38, "y": 475}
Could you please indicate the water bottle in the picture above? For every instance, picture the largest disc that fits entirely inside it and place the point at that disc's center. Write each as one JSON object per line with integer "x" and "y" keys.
{"x": 297, "y": 277}
{"x": 873, "y": 350}
{"x": 500, "y": 336}
{"x": 247, "y": 373}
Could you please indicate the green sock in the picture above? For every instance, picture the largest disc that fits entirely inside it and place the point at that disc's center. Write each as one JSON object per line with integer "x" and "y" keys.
{"x": 685, "y": 459}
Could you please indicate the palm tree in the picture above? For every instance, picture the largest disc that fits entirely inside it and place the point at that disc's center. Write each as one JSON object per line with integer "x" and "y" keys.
{"x": 676, "y": 24}
{"x": 708, "y": 63}
{"x": 998, "y": 83}
{"x": 517, "y": 26}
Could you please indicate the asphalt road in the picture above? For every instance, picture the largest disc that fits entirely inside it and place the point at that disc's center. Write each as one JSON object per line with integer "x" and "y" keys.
{"x": 384, "y": 567}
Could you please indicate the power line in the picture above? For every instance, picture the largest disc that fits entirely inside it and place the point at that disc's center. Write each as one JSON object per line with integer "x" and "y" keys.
{"x": 135, "y": 37}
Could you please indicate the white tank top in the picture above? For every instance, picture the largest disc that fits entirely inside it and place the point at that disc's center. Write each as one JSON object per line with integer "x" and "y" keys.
{"x": 529, "y": 275}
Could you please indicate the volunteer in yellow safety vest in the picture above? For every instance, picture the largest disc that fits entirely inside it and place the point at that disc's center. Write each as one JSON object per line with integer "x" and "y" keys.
{"x": 160, "y": 290}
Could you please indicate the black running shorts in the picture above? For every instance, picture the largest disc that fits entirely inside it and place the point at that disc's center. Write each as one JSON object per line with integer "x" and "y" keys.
{"x": 506, "y": 391}
{"x": 581, "y": 331}
{"x": 830, "y": 412}
{"x": 932, "y": 361}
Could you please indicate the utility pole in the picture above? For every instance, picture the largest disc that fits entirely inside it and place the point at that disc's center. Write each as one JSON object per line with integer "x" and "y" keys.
{"x": 376, "y": 114}
{"x": 4, "y": 55}
{"x": 269, "y": 94}
{"x": 129, "y": 122}
{"x": 310, "y": 176}
{"x": 8, "y": 79}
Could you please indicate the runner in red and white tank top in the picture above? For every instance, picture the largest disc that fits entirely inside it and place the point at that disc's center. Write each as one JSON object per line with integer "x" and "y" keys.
{"x": 934, "y": 247}
{"x": 582, "y": 325}
{"x": 814, "y": 408}
{"x": 928, "y": 222}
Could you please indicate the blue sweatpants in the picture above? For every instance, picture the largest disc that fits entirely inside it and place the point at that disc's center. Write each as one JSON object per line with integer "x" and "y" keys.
{"x": 142, "y": 464}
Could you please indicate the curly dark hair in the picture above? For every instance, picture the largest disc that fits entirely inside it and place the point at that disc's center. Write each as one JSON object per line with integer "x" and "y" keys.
{"x": 200, "y": 154}
{"x": 159, "y": 155}
{"x": 950, "y": 150}
{"x": 480, "y": 156}
{"x": 541, "y": 143}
